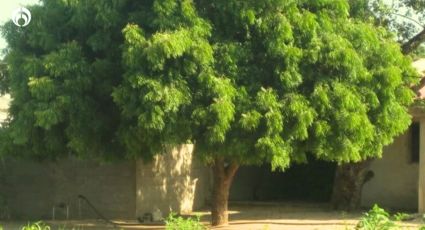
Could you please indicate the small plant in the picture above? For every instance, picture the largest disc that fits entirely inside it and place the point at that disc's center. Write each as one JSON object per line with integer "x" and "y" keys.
{"x": 401, "y": 216}
{"x": 36, "y": 226}
{"x": 174, "y": 222}
{"x": 376, "y": 219}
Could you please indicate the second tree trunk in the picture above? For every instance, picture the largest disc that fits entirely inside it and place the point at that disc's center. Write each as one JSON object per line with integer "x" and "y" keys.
{"x": 348, "y": 184}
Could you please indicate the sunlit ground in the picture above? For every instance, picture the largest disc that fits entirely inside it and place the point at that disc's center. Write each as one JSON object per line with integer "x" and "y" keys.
{"x": 250, "y": 216}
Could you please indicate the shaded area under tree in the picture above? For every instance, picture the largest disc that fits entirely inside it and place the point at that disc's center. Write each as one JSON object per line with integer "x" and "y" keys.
{"x": 301, "y": 182}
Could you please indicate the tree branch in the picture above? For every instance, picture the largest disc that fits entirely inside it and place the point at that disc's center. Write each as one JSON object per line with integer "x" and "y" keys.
{"x": 409, "y": 18}
{"x": 413, "y": 43}
{"x": 231, "y": 170}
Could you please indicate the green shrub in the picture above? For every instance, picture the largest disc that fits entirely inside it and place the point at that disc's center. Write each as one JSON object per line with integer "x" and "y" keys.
{"x": 174, "y": 222}
{"x": 401, "y": 216}
{"x": 36, "y": 226}
{"x": 376, "y": 219}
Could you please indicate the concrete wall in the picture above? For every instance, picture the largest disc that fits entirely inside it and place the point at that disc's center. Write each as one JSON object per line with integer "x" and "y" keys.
{"x": 251, "y": 183}
{"x": 174, "y": 181}
{"x": 31, "y": 189}
{"x": 395, "y": 183}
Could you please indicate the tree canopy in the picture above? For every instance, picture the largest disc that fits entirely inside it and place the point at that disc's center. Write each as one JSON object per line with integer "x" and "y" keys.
{"x": 246, "y": 81}
{"x": 403, "y": 17}
{"x": 253, "y": 81}
{"x": 255, "y": 84}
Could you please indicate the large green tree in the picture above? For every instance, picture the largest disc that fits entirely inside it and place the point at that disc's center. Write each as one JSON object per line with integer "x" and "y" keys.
{"x": 405, "y": 19}
{"x": 247, "y": 82}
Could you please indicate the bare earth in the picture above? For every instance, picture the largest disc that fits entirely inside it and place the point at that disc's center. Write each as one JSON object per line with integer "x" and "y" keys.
{"x": 249, "y": 216}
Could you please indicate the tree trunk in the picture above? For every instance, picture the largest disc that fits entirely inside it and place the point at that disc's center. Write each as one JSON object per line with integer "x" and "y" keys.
{"x": 413, "y": 43}
{"x": 222, "y": 177}
{"x": 348, "y": 184}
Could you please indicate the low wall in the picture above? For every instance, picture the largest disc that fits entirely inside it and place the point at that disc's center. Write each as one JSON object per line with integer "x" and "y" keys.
{"x": 172, "y": 181}
{"x": 31, "y": 189}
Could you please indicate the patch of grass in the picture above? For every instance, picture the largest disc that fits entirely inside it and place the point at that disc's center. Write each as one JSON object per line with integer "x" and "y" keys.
{"x": 401, "y": 216}
{"x": 376, "y": 219}
{"x": 174, "y": 222}
{"x": 36, "y": 226}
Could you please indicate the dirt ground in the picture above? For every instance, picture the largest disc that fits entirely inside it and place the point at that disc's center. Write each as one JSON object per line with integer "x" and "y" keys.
{"x": 249, "y": 216}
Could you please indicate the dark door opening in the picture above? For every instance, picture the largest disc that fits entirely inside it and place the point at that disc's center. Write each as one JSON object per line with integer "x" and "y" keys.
{"x": 301, "y": 182}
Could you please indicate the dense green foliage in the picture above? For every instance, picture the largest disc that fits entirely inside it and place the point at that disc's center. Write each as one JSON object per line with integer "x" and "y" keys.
{"x": 265, "y": 81}
{"x": 250, "y": 82}
{"x": 62, "y": 73}
{"x": 401, "y": 17}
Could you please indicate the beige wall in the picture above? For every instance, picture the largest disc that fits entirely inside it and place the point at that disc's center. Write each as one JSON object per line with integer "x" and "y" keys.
{"x": 395, "y": 183}
{"x": 4, "y": 105}
{"x": 174, "y": 181}
{"x": 31, "y": 189}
